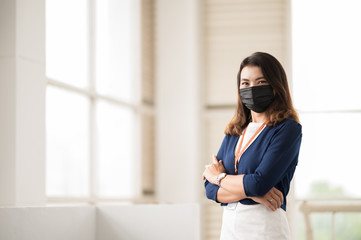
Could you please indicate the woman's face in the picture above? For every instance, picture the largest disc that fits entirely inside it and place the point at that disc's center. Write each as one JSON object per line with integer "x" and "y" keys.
{"x": 252, "y": 76}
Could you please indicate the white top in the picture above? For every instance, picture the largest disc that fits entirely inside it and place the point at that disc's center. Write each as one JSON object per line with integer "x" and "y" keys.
{"x": 251, "y": 129}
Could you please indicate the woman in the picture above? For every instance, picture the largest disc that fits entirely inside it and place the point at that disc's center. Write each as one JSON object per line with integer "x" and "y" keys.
{"x": 251, "y": 174}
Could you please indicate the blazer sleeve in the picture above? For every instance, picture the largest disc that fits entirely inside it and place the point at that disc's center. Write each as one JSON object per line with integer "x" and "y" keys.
{"x": 279, "y": 158}
{"x": 212, "y": 189}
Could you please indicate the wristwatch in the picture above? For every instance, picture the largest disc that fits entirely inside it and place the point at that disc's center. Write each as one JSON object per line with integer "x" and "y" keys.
{"x": 220, "y": 177}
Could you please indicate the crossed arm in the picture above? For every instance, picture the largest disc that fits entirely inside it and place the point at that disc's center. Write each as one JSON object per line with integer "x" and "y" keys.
{"x": 232, "y": 190}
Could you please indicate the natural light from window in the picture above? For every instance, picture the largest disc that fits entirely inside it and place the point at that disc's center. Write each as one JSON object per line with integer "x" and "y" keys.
{"x": 326, "y": 89}
{"x": 91, "y": 103}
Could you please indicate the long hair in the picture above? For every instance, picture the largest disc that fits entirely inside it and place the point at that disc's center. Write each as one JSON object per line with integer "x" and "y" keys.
{"x": 281, "y": 107}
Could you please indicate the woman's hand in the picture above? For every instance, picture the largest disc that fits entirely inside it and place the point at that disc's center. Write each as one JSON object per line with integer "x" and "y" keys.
{"x": 213, "y": 170}
{"x": 272, "y": 200}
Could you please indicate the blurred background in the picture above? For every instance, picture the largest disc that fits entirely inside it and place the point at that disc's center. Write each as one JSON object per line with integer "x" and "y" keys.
{"x": 125, "y": 101}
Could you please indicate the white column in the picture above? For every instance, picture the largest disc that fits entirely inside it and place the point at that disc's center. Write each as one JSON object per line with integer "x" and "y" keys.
{"x": 22, "y": 102}
{"x": 7, "y": 102}
{"x": 178, "y": 101}
{"x": 291, "y": 199}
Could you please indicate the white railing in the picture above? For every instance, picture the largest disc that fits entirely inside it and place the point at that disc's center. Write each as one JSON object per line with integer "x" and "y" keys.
{"x": 308, "y": 207}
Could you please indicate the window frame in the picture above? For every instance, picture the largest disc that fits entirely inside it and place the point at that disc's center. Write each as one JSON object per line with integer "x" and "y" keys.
{"x": 139, "y": 106}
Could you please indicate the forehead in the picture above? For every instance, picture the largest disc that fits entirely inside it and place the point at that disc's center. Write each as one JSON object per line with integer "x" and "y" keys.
{"x": 250, "y": 72}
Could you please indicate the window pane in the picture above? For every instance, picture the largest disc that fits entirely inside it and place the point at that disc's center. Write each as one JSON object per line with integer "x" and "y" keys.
{"x": 348, "y": 226}
{"x": 67, "y": 143}
{"x": 329, "y": 162}
{"x": 66, "y": 41}
{"x": 326, "y": 50}
{"x": 114, "y": 48}
{"x": 322, "y": 225}
{"x": 115, "y": 132}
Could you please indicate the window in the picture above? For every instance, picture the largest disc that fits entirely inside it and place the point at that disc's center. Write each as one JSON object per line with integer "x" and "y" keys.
{"x": 326, "y": 90}
{"x": 326, "y": 87}
{"x": 95, "y": 107}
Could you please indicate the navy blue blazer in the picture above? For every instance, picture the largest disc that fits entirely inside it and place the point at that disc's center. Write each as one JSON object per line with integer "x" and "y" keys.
{"x": 270, "y": 161}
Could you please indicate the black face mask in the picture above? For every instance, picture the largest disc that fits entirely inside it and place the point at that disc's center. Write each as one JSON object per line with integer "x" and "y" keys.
{"x": 257, "y": 98}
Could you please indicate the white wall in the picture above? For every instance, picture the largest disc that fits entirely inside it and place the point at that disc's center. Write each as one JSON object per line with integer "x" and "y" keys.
{"x": 161, "y": 222}
{"x": 7, "y": 102}
{"x": 178, "y": 101}
{"x": 45, "y": 223}
{"x": 103, "y": 222}
{"x": 22, "y": 102}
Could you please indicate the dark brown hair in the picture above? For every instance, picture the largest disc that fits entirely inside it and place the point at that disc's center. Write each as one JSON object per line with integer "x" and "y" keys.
{"x": 280, "y": 109}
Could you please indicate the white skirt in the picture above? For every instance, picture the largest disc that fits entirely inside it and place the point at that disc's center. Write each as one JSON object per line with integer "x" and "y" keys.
{"x": 253, "y": 222}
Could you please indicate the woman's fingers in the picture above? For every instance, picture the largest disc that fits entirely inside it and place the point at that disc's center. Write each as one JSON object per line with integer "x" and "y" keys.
{"x": 272, "y": 200}
{"x": 277, "y": 193}
{"x": 212, "y": 170}
{"x": 275, "y": 197}
{"x": 215, "y": 160}
{"x": 275, "y": 200}
{"x": 270, "y": 205}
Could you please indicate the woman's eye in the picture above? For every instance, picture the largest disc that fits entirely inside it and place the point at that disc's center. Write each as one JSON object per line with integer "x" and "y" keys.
{"x": 262, "y": 82}
{"x": 244, "y": 83}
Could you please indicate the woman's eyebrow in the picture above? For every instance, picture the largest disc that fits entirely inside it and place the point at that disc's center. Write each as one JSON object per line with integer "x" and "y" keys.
{"x": 259, "y": 78}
